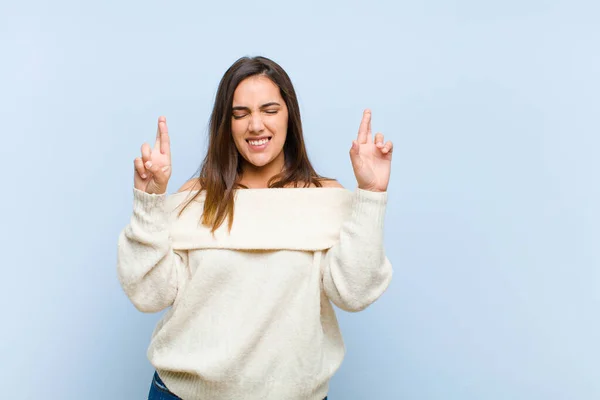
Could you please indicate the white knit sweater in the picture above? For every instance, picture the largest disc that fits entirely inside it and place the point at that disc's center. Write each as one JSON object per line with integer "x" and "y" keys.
{"x": 250, "y": 314}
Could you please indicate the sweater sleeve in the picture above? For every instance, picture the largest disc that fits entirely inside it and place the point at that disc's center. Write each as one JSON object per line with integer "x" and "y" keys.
{"x": 147, "y": 266}
{"x": 356, "y": 270}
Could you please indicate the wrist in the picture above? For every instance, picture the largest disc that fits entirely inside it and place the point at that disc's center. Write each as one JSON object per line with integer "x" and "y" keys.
{"x": 371, "y": 189}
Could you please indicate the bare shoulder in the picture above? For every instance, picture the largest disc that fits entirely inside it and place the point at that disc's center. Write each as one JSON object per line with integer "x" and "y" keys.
{"x": 331, "y": 183}
{"x": 192, "y": 184}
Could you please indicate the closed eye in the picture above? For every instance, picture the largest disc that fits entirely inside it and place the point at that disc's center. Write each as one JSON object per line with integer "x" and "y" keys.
{"x": 240, "y": 116}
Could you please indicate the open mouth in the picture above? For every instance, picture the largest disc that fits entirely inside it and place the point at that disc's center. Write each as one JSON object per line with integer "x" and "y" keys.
{"x": 258, "y": 142}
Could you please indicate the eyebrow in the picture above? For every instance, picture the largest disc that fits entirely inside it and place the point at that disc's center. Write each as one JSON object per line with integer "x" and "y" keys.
{"x": 241, "y": 108}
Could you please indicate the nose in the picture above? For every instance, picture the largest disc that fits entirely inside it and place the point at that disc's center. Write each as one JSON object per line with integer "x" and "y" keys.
{"x": 256, "y": 123}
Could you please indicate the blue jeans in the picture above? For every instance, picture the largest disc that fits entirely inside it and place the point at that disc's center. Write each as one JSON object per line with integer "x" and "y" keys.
{"x": 159, "y": 391}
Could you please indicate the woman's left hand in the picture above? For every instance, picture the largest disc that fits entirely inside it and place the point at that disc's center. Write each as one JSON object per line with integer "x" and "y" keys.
{"x": 371, "y": 158}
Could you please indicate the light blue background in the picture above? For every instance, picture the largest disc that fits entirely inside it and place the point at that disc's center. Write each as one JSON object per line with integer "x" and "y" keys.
{"x": 493, "y": 220}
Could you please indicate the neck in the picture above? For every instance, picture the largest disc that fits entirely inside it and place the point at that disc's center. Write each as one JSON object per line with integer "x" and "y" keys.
{"x": 258, "y": 177}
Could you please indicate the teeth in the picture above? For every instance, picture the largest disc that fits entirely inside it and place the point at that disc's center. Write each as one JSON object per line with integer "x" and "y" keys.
{"x": 258, "y": 142}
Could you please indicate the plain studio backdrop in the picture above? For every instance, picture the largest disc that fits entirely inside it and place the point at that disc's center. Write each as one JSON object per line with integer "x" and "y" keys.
{"x": 494, "y": 203}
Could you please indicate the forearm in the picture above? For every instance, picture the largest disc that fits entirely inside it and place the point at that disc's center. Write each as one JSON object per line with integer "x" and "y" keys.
{"x": 148, "y": 268}
{"x": 356, "y": 270}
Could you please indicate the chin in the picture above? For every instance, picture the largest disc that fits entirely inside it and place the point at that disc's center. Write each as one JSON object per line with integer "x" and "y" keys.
{"x": 259, "y": 162}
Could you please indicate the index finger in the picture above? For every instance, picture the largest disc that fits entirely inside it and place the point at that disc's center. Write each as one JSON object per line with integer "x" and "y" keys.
{"x": 162, "y": 136}
{"x": 365, "y": 127}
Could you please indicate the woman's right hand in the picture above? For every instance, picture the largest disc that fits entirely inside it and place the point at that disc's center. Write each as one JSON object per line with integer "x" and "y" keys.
{"x": 153, "y": 168}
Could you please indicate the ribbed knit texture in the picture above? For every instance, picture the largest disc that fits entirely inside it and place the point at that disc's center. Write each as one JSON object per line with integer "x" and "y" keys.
{"x": 250, "y": 311}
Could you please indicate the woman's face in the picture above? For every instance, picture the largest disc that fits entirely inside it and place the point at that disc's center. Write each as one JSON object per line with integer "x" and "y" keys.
{"x": 259, "y": 121}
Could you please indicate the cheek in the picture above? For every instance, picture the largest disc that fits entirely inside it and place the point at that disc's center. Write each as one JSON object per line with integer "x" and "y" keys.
{"x": 282, "y": 126}
{"x": 280, "y": 136}
{"x": 237, "y": 131}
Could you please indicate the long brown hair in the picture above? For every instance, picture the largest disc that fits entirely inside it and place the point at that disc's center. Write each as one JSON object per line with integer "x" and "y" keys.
{"x": 222, "y": 167}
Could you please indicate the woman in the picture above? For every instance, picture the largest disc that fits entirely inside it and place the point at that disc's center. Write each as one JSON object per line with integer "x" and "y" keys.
{"x": 250, "y": 256}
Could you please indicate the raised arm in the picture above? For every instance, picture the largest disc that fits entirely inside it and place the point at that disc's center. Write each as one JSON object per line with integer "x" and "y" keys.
{"x": 356, "y": 271}
{"x": 149, "y": 270}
